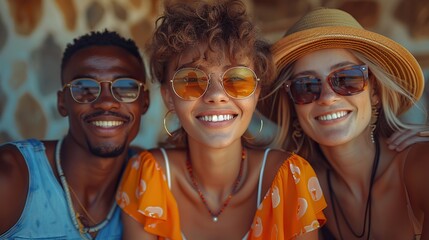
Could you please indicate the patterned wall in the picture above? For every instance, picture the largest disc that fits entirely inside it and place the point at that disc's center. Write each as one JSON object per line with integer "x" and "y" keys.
{"x": 33, "y": 34}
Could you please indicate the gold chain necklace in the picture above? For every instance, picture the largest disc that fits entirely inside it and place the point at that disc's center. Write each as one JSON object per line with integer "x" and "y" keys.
{"x": 79, "y": 226}
{"x": 78, "y": 215}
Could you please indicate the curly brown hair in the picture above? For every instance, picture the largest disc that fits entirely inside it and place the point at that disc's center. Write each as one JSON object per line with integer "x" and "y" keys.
{"x": 223, "y": 25}
{"x": 216, "y": 23}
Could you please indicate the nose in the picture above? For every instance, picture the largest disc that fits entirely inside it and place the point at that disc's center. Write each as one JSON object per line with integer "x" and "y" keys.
{"x": 105, "y": 99}
{"x": 327, "y": 96}
{"x": 215, "y": 92}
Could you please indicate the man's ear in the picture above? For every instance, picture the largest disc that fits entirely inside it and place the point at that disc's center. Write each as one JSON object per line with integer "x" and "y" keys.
{"x": 61, "y": 104}
{"x": 167, "y": 97}
{"x": 146, "y": 100}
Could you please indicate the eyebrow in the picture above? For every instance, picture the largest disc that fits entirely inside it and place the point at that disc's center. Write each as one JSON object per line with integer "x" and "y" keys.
{"x": 342, "y": 64}
{"x": 118, "y": 76}
{"x": 83, "y": 76}
{"x": 332, "y": 68}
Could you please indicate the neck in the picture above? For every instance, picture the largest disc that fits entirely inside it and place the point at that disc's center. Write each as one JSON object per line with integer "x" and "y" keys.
{"x": 91, "y": 176}
{"x": 367, "y": 201}
{"x": 217, "y": 191}
{"x": 351, "y": 164}
{"x": 209, "y": 164}
{"x": 88, "y": 202}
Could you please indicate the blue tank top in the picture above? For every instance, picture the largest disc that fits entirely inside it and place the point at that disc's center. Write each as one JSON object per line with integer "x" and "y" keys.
{"x": 46, "y": 214}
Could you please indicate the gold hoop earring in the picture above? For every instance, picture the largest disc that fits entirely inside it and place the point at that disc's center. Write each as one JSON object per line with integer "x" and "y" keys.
{"x": 165, "y": 122}
{"x": 373, "y": 124}
{"x": 297, "y": 135}
{"x": 261, "y": 126}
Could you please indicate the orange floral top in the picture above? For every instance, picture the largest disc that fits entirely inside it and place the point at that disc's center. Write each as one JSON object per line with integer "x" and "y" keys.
{"x": 292, "y": 206}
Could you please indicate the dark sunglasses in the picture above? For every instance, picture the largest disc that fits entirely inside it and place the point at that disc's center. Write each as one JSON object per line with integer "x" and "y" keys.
{"x": 192, "y": 83}
{"x": 346, "y": 81}
{"x": 86, "y": 90}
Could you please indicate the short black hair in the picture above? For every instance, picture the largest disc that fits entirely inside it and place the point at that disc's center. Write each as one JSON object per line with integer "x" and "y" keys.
{"x": 100, "y": 38}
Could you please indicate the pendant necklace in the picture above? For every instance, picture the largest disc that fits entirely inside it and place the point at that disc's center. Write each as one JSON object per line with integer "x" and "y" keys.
{"x": 367, "y": 216}
{"x": 215, "y": 215}
{"x": 75, "y": 215}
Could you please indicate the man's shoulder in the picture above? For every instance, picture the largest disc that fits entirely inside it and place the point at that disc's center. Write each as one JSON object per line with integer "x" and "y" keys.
{"x": 17, "y": 144}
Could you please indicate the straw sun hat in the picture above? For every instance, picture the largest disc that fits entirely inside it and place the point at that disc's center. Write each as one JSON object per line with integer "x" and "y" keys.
{"x": 332, "y": 28}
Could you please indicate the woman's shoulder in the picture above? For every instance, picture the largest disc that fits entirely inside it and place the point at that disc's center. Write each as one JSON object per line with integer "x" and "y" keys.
{"x": 420, "y": 149}
{"x": 167, "y": 156}
{"x": 416, "y": 165}
{"x": 274, "y": 158}
{"x": 279, "y": 157}
{"x": 416, "y": 157}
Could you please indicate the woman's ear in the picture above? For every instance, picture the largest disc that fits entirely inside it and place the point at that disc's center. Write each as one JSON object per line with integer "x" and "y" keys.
{"x": 374, "y": 90}
{"x": 167, "y": 97}
{"x": 61, "y": 104}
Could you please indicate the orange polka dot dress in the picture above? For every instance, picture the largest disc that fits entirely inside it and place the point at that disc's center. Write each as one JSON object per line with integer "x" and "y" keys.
{"x": 292, "y": 206}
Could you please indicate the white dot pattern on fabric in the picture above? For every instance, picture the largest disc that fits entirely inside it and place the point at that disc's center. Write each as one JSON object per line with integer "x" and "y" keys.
{"x": 302, "y": 207}
{"x": 157, "y": 167}
{"x": 153, "y": 225}
{"x": 275, "y": 197}
{"x": 296, "y": 172}
{"x": 257, "y": 227}
{"x": 140, "y": 189}
{"x": 136, "y": 164}
{"x": 295, "y": 190}
{"x": 313, "y": 226}
{"x": 154, "y": 211}
{"x": 124, "y": 199}
{"x": 315, "y": 189}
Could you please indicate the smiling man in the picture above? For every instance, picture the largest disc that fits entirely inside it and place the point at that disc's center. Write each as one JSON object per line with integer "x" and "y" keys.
{"x": 65, "y": 189}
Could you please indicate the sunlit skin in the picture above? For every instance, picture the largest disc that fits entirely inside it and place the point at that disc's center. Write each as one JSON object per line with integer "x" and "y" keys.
{"x": 92, "y": 154}
{"x": 212, "y": 134}
{"x": 353, "y": 112}
{"x": 213, "y": 145}
{"x": 215, "y": 149}
{"x": 96, "y": 145}
{"x": 103, "y": 64}
{"x": 347, "y": 145}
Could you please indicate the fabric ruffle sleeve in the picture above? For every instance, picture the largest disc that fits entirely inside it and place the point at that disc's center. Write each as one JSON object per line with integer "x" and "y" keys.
{"x": 293, "y": 205}
{"x": 144, "y": 195}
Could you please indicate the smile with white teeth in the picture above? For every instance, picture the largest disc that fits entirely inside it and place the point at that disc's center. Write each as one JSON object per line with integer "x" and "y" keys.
{"x": 107, "y": 124}
{"x": 216, "y": 118}
{"x": 332, "y": 116}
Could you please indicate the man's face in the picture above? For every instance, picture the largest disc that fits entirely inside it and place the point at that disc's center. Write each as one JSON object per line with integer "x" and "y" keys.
{"x": 105, "y": 126}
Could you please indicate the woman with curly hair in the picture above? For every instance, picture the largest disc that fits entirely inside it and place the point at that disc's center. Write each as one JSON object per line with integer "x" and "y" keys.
{"x": 213, "y": 184}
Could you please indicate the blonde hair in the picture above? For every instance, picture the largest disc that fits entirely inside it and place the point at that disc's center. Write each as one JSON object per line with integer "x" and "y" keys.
{"x": 391, "y": 93}
{"x": 279, "y": 108}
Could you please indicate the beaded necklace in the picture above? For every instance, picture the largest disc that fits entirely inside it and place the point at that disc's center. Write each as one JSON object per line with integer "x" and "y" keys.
{"x": 215, "y": 215}
{"x": 74, "y": 215}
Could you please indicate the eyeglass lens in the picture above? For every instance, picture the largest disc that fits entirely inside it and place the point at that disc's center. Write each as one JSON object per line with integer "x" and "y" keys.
{"x": 192, "y": 83}
{"x": 347, "y": 81}
{"x": 88, "y": 90}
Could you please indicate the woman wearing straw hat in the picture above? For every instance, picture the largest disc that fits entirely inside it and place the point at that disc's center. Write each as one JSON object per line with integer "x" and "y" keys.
{"x": 338, "y": 95}
{"x": 213, "y": 185}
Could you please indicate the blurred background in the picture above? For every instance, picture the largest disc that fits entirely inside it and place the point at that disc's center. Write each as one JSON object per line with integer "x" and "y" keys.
{"x": 34, "y": 33}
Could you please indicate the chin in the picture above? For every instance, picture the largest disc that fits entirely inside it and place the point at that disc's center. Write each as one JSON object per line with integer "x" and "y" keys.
{"x": 108, "y": 151}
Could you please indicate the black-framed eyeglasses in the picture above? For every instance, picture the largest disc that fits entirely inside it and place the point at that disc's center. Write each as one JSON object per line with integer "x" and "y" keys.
{"x": 346, "y": 81}
{"x": 191, "y": 83}
{"x": 87, "y": 90}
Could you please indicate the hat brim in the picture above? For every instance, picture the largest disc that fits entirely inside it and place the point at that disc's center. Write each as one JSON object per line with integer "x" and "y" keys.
{"x": 382, "y": 51}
